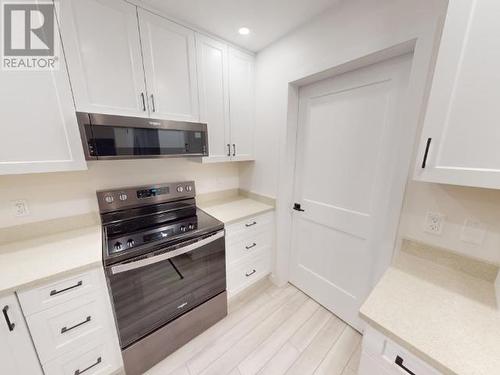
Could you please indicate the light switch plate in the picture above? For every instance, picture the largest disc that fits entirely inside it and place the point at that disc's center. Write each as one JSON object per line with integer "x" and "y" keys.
{"x": 473, "y": 232}
{"x": 434, "y": 223}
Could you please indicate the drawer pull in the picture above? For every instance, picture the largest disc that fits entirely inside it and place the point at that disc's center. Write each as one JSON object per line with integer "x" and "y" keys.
{"x": 251, "y": 246}
{"x": 7, "y": 319}
{"x": 250, "y": 274}
{"x": 55, "y": 292}
{"x": 399, "y": 362}
{"x": 66, "y": 329}
{"x": 78, "y": 372}
{"x": 251, "y": 224}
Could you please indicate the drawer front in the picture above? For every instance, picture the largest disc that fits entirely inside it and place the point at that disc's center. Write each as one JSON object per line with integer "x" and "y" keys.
{"x": 240, "y": 249}
{"x": 250, "y": 225}
{"x": 66, "y": 327}
{"x": 405, "y": 363}
{"x": 54, "y": 293}
{"x": 95, "y": 358}
{"x": 245, "y": 273}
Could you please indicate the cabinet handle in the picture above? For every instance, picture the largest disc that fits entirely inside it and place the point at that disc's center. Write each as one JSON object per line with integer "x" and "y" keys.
{"x": 251, "y": 224}
{"x": 228, "y": 149}
{"x": 7, "y": 319}
{"x": 251, "y": 246}
{"x": 250, "y": 274}
{"x": 66, "y": 329}
{"x": 399, "y": 362}
{"x": 424, "y": 162}
{"x": 78, "y": 372}
{"x": 143, "y": 102}
{"x": 234, "y": 149}
{"x": 55, "y": 292}
{"x": 153, "y": 102}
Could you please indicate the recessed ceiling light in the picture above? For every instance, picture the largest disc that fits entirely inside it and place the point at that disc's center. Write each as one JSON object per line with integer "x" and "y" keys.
{"x": 244, "y": 30}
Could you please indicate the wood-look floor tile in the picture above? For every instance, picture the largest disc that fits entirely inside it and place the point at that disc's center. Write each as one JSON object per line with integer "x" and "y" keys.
{"x": 282, "y": 360}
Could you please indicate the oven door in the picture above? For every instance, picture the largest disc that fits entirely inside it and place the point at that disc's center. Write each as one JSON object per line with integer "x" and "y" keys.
{"x": 150, "y": 291}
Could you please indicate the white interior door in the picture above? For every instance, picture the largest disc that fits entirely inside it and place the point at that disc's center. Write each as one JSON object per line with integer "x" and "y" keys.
{"x": 349, "y": 128}
{"x": 170, "y": 65}
{"x": 103, "y": 51}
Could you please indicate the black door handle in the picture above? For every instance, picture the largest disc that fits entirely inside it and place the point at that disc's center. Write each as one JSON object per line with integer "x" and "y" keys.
{"x": 427, "y": 146}
{"x": 55, "y": 292}
{"x": 297, "y": 207}
{"x": 228, "y": 149}
{"x": 399, "y": 362}
{"x": 234, "y": 149}
{"x": 66, "y": 329}
{"x": 250, "y": 274}
{"x": 251, "y": 246}
{"x": 78, "y": 372}
{"x": 7, "y": 319}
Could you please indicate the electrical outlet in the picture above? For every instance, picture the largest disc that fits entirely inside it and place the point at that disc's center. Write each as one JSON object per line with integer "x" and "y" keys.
{"x": 20, "y": 208}
{"x": 434, "y": 223}
{"x": 473, "y": 232}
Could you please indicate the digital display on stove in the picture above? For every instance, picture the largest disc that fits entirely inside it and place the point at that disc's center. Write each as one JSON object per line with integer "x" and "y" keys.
{"x": 147, "y": 193}
{"x": 158, "y": 235}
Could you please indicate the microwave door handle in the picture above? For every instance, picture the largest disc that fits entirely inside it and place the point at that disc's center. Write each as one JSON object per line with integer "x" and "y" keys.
{"x": 120, "y": 268}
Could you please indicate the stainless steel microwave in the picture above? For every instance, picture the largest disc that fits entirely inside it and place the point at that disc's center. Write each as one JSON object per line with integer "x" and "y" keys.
{"x": 108, "y": 137}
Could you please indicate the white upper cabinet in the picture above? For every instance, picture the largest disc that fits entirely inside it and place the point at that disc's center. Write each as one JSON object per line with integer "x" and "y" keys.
{"x": 17, "y": 353}
{"x": 242, "y": 104}
{"x": 102, "y": 45}
{"x": 170, "y": 65}
{"x": 38, "y": 125}
{"x": 213, "y": 81}
{"x": 461, "y": 134}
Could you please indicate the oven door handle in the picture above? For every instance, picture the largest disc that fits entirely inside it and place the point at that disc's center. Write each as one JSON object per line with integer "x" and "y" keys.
{"x": 160, "y": 258}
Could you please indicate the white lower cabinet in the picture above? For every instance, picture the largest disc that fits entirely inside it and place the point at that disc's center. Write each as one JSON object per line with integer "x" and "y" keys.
{"x": 381, "y": 356}
{"x": 249, "y": 245}
{"x": 72, "y": 325}
{"x": 17, "y": 353}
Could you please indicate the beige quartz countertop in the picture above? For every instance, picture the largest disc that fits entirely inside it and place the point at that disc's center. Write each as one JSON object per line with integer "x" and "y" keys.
{"x": 232, "y": 209}
{"x": 446, "y": 317}
{"x": 29, "y": 262}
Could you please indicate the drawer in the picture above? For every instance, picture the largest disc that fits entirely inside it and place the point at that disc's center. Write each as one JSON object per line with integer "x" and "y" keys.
{"x": 93, "y": 358}
{"x": 252, "y": 224}
{"x": 66, "y": 327}
{"x": 245, "y": 273}
{"x": 237, "y": 250}
{"x": 53, "y": 293}
{"x": 405, "y": 363}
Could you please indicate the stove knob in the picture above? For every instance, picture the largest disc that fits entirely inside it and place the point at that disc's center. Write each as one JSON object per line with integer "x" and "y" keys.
{"x": 189, "y": 188}
{"x": 180, "y": 189}
{"x": 183, "y": 228}
{"x": 118, "y": 246}
{"x": 109, "y": 199}
{"x": 130, "y": 243}
{"x": 123, "y": 196}
{"x": 191, "y": 226}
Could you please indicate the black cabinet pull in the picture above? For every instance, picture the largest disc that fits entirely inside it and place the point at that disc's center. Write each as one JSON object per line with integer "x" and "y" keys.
{"x": 143, "y": 102}
{"x": 55, "y": 292}
{"x": 78, "y": 372}
{"x": 228, "y": 149}
{"x": 424, "y": 162}
{"x": 399, "y": 362}
{"x": 251, "y": 246}
{"x": 7, "y": 319}
{"x": 251, "y": 224}
{"x": 234, "y": 149}
{"x": 250, "y": 274}
{"x": 66, "y": 329}
{"x": 153, "y": 103}
{"x": 297, "y": 207}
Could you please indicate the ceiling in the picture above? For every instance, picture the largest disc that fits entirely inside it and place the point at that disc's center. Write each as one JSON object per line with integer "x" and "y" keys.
{"x": 268, "y": 20}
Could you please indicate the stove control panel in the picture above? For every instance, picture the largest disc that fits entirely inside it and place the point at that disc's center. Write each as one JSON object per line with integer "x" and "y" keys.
{"x": 114, "y": 200}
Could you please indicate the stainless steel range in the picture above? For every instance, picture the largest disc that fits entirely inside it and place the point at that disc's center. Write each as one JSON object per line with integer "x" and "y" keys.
{"x": 165, "y": 266}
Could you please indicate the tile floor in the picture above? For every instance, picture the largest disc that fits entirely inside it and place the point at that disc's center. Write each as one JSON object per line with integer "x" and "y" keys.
{"x": 269, "y": 330}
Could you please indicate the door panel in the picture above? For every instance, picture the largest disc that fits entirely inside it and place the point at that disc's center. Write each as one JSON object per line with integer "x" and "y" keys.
{"x": 101, "y": 41}
{"x": 170, "y": 65}
{"x": 348, "y": 133}
{"x": 213, "y": 83}
{"x": 242, "y": 104}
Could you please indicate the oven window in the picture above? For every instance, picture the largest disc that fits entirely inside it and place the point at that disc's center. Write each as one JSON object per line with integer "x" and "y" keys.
{"x": 124, "y": 141}
{"x": 149, "y": 297}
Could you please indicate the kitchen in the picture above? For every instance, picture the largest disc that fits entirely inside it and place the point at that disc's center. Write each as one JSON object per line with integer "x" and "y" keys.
{"x": 369, "y": 246}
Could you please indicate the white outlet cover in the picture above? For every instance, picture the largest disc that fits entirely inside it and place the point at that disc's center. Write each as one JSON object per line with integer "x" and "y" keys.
{"x": 434, "y": 223}
{"x": 473, "y": 232}
{"x": 20, "y": 208}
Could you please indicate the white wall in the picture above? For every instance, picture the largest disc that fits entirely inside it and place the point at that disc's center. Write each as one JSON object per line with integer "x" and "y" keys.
{"x": 56, "y": 195}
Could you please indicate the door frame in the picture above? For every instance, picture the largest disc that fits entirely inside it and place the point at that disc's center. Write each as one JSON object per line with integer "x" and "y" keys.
{"x": 424, "y": 49}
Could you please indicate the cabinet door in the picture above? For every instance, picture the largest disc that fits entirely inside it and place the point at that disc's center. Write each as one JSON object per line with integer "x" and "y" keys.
{"x": 17, "y": 353}
{"x": 461, "y": 131}
{"x": 101, "y": 41}
{"x": 242, "y": 104}
{"x": 38, "y": 128}
{"x": 170, "y": 65}
{"x": 213, "y": 78}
